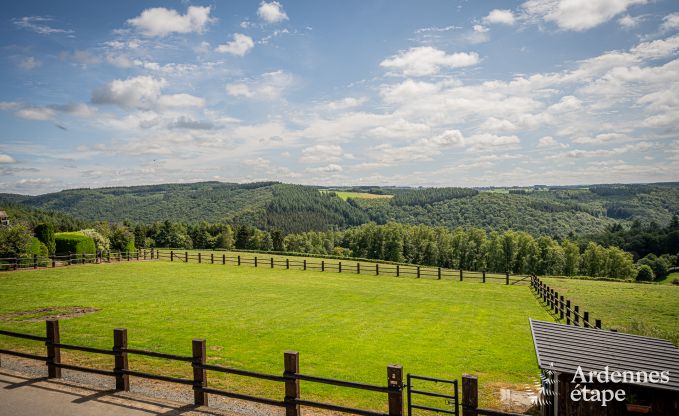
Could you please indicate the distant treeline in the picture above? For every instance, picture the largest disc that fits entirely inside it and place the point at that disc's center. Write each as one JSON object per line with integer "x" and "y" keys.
{"x": 468, "y": 249}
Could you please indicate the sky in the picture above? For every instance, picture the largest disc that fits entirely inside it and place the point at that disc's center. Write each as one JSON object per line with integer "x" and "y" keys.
{"x": 419, "y": 93}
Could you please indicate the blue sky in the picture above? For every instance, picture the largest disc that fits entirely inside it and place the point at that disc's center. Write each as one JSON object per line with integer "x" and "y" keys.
{"x": 424, "y": 93}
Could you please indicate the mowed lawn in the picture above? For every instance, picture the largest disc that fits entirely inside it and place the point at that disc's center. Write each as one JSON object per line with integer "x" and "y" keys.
{"x": 645, "y": 309}
{"x": 344, "y": 326}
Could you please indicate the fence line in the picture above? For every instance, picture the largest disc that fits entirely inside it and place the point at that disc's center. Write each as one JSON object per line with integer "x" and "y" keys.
{"x": 560, "y": 307}
{"x": 37, "y": 262}
{"x": 354, "y": 267}
{"x": 291, "y": 376}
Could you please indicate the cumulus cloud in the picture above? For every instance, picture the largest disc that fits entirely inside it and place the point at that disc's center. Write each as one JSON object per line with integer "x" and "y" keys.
{"x": 159, "y": 21}
{"x": 80, "y": 57}
{"x": 427, "y": 60}
{"x": 35, "y": 113}
{"x": 322, "y": 153}
{"x": 629, "y": 22}
{"x": 577, "y": 15}
{"x": 4, "y": 158}
{"x": 29, "y": 63}
{"x": 346, "y": 103}
{"x": 549, "y": 141}
{"x": 271, "y": 12}
{"x": 239, "y": 46}
{"x": 142, "y": 92}
{"x": 268, "y": 86}
{"x": 497, "y": 16}
{"x": 39, "y": 24}
{"x": 331, "y": 168}
{"x": 670, "y": 22}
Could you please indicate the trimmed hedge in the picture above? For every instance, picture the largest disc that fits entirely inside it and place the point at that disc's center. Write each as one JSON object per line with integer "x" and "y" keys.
{"x": 74, "y": 242}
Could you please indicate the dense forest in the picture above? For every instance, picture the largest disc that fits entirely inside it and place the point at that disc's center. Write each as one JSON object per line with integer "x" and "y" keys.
{"x": 560, "y": 212}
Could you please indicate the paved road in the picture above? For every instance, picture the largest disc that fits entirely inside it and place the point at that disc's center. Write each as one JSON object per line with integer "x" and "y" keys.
{"x": 24, "y": 396}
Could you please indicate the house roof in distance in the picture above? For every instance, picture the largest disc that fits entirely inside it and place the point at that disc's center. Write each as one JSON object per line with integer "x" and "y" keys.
{"x": 563, "y": 348}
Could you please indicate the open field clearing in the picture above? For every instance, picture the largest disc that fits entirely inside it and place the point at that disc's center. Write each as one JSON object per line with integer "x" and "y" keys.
{"x": 358, "y": 195}
{"x": 344, "y": 326}
{"x": 645, "y": 309}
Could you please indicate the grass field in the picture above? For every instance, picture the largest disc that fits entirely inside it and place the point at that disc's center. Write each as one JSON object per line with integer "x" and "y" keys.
{"x": 644, "y": 309}
{"x": 344, "y": 326}
{"x": 359, "y": 195}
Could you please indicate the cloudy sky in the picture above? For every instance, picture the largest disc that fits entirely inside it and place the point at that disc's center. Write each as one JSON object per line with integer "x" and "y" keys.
{"x": 465, "y": 93}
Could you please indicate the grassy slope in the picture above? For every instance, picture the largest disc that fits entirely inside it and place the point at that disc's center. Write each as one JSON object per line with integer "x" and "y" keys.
{"x": 651, "y": 310}
{"x": 345, "y": 326}
{"x": 359, "y": 195}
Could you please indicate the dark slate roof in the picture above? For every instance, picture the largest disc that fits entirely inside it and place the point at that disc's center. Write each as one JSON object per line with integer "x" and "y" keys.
{"x": 563, "y": 347}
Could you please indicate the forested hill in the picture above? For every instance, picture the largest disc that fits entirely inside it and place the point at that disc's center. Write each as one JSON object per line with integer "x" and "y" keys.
{"x": 557, "y": 211}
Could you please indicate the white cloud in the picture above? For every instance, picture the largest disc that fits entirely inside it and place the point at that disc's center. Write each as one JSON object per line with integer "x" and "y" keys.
{"x": 142, "y": 92}
{"x": 239, "y": 46}
{"x": 268, "y": 86}
{"x": 80, "y": 57}
{"x": 670, "y": 22}
{"x": 346, "y": 103}
{"x": 426, "y": 60}
{"x": 38, "y": 24}
{"x": 548, "y": 141}
{"x": 602, "y": 138}
{"x": 159, "y": 21}
{"x": 331, "y": 168}
{"x": 271, "y": 12}
{"x": 35, "y": 113}
{"x": 120, "y": 61}
{"x": 6, "y": 158}
{"x": 322, "y": 153}
{"x": 497, "y": 16}
{"x": 577, "y": 15}
{"x": 9, "y": 105}
{"x": 578, "y": 153}
{"x": 486, "y": 141}
{"x": 629, "y": 22}
{"x": 29, "y": 63}
{"x": 480, "y": 29}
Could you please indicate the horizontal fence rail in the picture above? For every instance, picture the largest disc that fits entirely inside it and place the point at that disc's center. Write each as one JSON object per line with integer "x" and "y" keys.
{"x": 290, "y": 379}
{"x": 62, "y": 260}
{"x": 563, "y": 309}
{"x": 342, "y": 266}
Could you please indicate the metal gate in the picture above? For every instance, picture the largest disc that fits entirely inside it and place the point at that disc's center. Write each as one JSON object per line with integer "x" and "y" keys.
{"x": 450, "y": 400}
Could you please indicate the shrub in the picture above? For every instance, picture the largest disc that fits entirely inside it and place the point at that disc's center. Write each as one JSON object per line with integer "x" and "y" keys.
{"x": 15, "y": 240}
{"x": 45, "y": 233}
{"x": 660, "y": 265}
{"x": 645, "y": 273}
{"x": 100, "y": 242}
{"x": 74, "y": 243}
{"x": 122, "y": 239}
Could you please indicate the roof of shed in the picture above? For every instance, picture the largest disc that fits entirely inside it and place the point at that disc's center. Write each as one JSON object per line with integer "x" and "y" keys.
{"x": 563, "y": 348}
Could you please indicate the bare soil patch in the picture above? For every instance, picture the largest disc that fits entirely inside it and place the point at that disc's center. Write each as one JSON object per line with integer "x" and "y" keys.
{"x": 43, "y": 314}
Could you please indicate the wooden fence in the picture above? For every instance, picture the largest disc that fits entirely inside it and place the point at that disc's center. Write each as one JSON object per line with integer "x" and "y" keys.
{"x": 290, "y": 378}
{"x": 353, "y": 267}
{"x": 38, "y": 262}
{"x": 563, "y": 309}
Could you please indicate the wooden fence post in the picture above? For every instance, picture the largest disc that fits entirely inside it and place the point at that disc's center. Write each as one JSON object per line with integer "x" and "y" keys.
{"x": 322, "y": 265}
{"x": 171, "y": 255}
{"x": 507, "y": 278}
{"x": 119, "y": 345}
{"x": 144, "y": 254}
{"x": 484, "y": 276}
{"x": 304, "y": 264}
{"x": 470, "y": 395}
{"x": 339, "y": 267}
{"x": 398, "y": 270}
{"x": 255, "y": 261}
{"x": 377, "y": 269}
{"x": 561, "y": 307}
{"x": 291, "y": 362}
{"x": 358, "y": 268}
{"x": 199, "y": 258}
{"x": 418, "y": 272}
{"x": 212, "y": 258}
{"x": 568, "y": 312}
{"x": 597, "y": 323}
{"x": 108, "y": 256}
{"x": 439, "y": 274}
{"x": 461, "y": 277}
{"x": 35, "y": 261}
{"x": 395, "y": 383}
{"x": 53, "y": 352}
{"x": 224, "y": 259}
{"x": 272, "y": 262}
{"x": 186, "y": 257}
{"x": 54, "y": 262}
{"x": 287, "y": 263}
{"x": 199, "y": 374}
{"x": 137, "y": 254}
{"x": 585, "y": 319}
{"x": 576, "y": 315}
{"x": 239, "y": 260}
